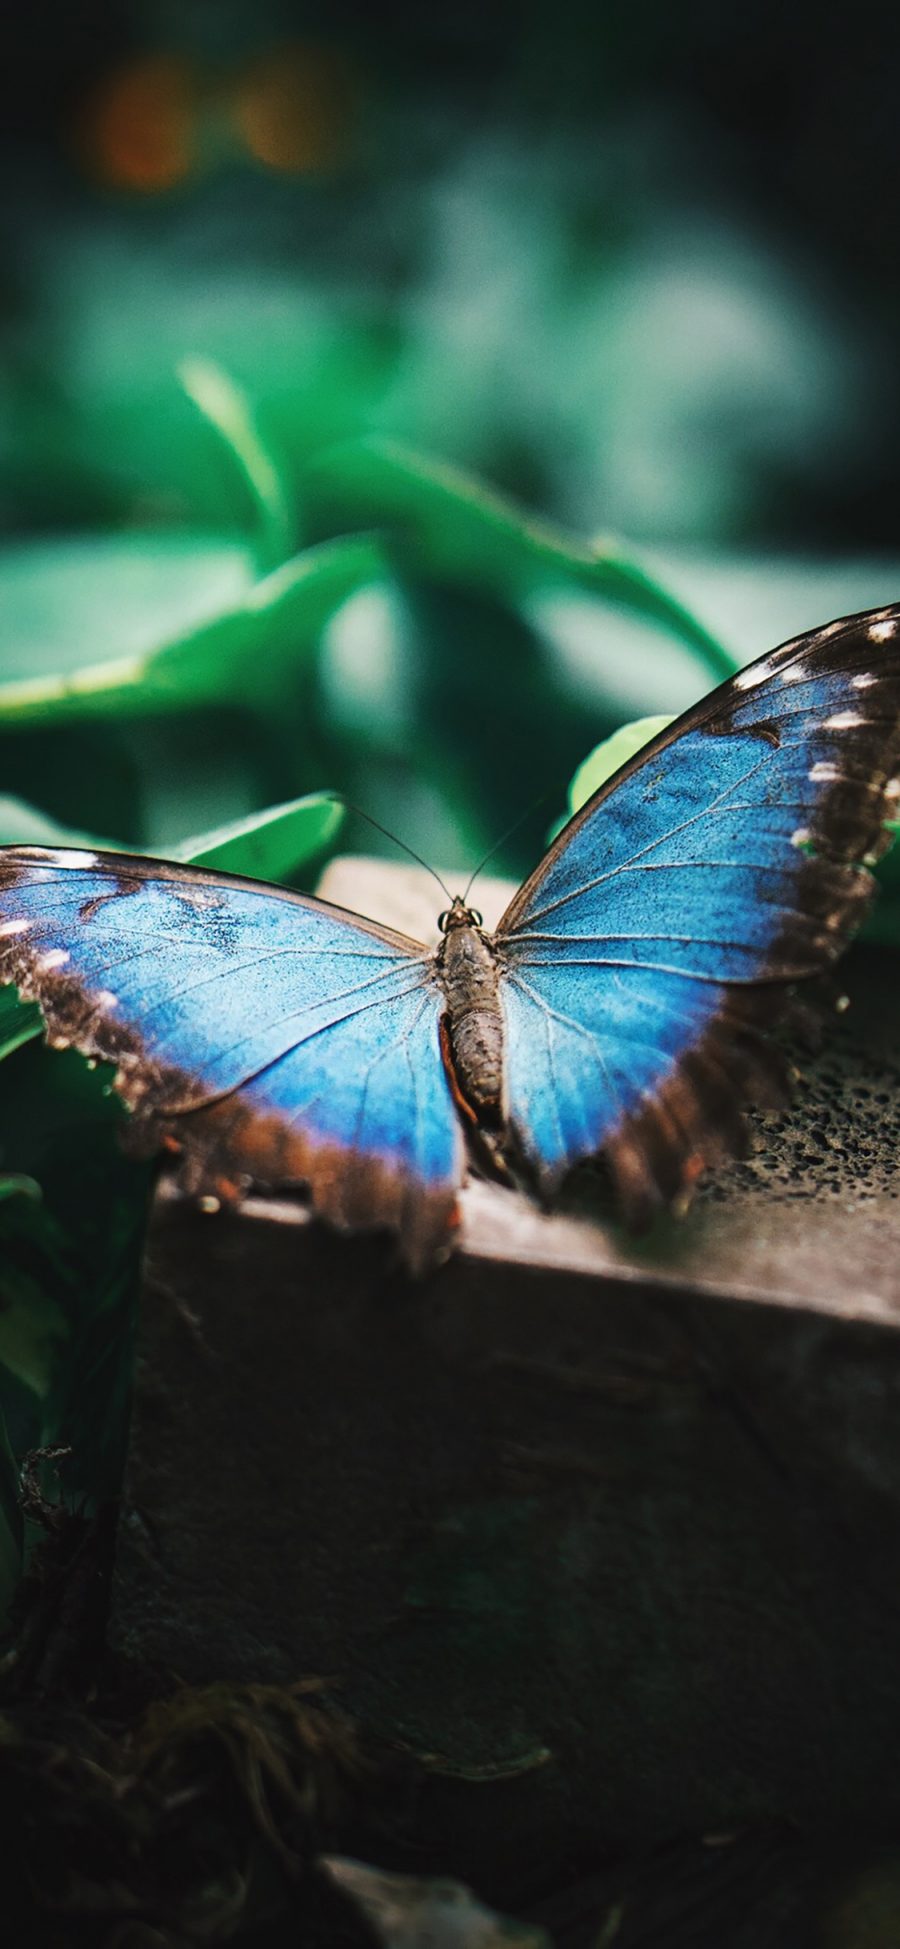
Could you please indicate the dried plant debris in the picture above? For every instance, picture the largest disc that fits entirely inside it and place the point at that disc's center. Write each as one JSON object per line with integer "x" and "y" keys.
{"x": 189, "y": 1827}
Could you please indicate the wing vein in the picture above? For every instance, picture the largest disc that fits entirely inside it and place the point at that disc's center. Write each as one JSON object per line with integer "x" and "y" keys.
{"x": 671, "y": 832}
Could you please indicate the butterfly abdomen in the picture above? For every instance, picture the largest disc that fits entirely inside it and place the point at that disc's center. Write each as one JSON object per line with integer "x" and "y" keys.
{"x": 473, "y": 1043}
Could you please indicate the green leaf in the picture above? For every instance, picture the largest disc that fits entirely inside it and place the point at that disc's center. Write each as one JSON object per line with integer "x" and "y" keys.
{"x": 33, "y": 1329}
{"x": 450, "y": 525}
{"x": 269, "y": 845}
{"x": 882, "y": 923}
{"x": 227, "y": 408}
{"x": 610, "y": 755}
{"x": 12, "y": 1186}
{"x": 251, "y": 641}
{"x": 19, "y": 1022}
{"x": 266, "y": 845}
{"x": 11, "y": 1526}
{"x": 79, "y": 603}
{"x": 22, "y": 824}
{"x": 69, "y": 1265}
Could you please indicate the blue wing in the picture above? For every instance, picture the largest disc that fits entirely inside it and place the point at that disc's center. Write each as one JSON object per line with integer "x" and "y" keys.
{"x": 266, "y": 1036}
{"x": 676, "y": 911}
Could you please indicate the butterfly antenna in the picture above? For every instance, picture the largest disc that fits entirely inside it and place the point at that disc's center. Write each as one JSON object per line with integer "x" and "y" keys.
{"x": 358, "y": 812}
{"x": 504, "y": 836}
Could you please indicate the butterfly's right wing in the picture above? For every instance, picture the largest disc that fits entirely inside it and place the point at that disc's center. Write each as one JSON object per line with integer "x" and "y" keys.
{"x": 672, "y": 919}
{"x": 266, "y": 1036}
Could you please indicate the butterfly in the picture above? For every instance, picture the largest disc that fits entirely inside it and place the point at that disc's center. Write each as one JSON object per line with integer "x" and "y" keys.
{"x": 619, "y": 1010}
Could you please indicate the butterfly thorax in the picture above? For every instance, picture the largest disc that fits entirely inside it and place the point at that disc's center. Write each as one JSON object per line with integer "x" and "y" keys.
{"x": 473, "y": 1023}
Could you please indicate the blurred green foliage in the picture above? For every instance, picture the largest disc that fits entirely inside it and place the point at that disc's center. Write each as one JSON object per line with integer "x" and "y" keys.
{"x": 563, "y": 308}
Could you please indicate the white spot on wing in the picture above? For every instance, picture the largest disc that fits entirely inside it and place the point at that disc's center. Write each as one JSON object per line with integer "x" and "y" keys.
{"x": 67, "y": 856}
{"x": 11, "y": 927}
{"x": 57, "y": 958}
{"x": 105, "y": 998}
{"x": 892, "y": 789}
{"x": 755, "y": 674}
{"x": 795, "y": 674}
{"x": 844, "y": 721}
{"x": 865, "y": 680}
{"x": 824, "y": 773}
{"x": 879, "y": 632}
{"x": 801, "y": 837}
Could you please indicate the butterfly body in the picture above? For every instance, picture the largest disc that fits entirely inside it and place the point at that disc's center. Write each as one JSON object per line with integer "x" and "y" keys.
{"x": 621, "y": 1008}
{"x": 473, "y": 1044}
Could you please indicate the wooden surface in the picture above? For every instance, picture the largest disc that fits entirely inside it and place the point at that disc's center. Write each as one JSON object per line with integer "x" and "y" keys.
{"x": 601, "y": 1538}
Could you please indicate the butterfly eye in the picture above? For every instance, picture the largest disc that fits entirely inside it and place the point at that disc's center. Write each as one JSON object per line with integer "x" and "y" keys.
{"x": 475, "y": 916}
{"x": 442, "y": 920}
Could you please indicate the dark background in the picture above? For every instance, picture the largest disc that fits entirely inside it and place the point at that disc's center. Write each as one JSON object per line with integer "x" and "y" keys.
{"x": 494, "y": 219}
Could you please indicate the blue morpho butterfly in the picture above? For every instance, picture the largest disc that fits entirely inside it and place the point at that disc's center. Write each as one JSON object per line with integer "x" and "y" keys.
{"x": 618, "y": 1009}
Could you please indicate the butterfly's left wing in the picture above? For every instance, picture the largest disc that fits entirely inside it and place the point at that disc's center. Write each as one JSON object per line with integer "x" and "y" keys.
{"x": 268, "y": 1037}
{"x": 675, "y": 913}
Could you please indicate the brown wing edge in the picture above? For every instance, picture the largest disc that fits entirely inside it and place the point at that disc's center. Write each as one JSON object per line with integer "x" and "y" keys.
{"x": 219, "y": 1147}
{"x": 225, "y": 1149}
{"x": 695, "y": 1119}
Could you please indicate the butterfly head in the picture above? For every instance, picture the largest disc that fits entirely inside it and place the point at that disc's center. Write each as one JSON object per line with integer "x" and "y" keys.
{"x": 458, "y": 915}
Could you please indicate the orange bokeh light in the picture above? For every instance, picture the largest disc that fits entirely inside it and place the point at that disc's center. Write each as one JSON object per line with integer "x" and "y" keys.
{"x": 138, "y": 129}
{"x": 294, "y": 108}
